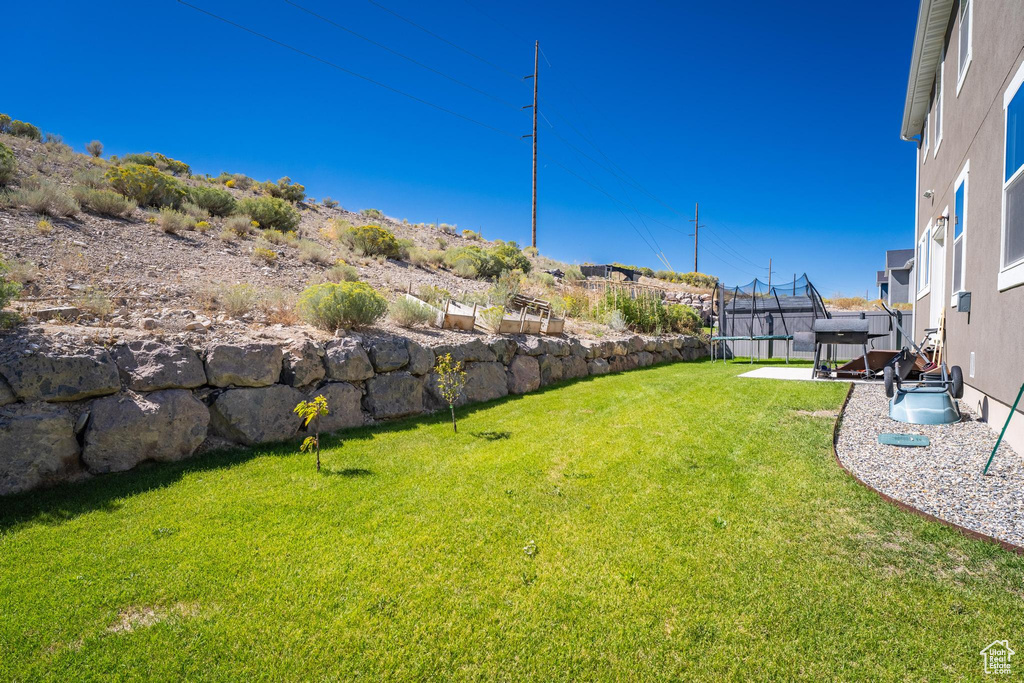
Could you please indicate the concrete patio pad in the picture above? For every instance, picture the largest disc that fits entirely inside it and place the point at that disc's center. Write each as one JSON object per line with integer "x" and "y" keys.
{"x": 803, "y": 374}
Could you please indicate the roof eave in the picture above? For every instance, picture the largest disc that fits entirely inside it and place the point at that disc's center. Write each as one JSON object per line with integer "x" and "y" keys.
{"x": 929, "y": 39}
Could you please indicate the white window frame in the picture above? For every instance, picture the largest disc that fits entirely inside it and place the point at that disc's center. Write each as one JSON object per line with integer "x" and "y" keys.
{"x": 924, "y": 269}
{"x": 963, "y": 179}
{"x": 962, "y": 71}
{"x": 1010, "y": 274}
{"x": 939, "y": 113}
{"x": 926, "y": 134}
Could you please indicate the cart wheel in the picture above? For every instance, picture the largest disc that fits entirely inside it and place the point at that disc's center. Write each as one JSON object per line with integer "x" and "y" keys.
{"x": 956, "y": 380}
{"x": 889, "y": 376}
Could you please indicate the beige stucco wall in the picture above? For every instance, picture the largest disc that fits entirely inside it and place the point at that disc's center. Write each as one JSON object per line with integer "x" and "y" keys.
{"x": 973, "y": 131}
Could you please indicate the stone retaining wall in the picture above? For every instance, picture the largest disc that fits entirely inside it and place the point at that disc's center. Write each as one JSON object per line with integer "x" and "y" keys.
{"x": 66, "y": 417}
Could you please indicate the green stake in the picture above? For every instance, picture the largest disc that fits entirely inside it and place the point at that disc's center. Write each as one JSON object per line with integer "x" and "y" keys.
{"x": 1003, "y": 433}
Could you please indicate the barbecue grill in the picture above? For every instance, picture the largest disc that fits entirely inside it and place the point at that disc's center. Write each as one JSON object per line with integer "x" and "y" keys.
{"x": 828, "y": 331}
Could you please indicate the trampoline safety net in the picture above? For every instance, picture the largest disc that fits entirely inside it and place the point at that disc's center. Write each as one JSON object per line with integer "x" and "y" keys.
{"x": 755, "y": 309}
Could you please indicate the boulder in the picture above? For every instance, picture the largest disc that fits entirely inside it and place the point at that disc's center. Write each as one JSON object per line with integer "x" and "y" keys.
{"x": 531, "y": 346}
{"x": 344, "y": 406}
{"x": 388, "y": 354}
{"x": 619, "y": 348}
{"x": 37, "y": 446}
{"x": 616, "y": 363}
{"x": 635, "y": 343}
{"x": 671, "y": 355}
{"x": 598, "y": 366}
{"x": 523, "y": 374}
{"x": 303, "y": 364}
{"x": 467, "y": 352}
{"x": 503, "y": 349}
{"x": 550, "y": 369}
{"x": 256, "y": 415}
{"x": 574, "y": 366}
{"x": 577, "y": 349}
{"x": 6, "y": 393}
{"x": 644, "y": 358}
{"x": 394, "y": 394}
{"x": 650, "y": 345}
{"x": 147, "y": 365}
{"x": 485, "y": 381}
{"x": 127, "y": 429}
{"x": 421, "y": 359}
{"x": 631, "y": 361}
{"x": 557, "y": 347}
{"x": 591, "y": 348}
{"x": 256, "y": 364}
{"x": 347, "y": 361}
{"x": 61, "y": 378}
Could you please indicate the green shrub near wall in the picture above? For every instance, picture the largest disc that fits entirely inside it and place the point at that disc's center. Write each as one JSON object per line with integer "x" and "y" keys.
{"x": 332, "y": 306}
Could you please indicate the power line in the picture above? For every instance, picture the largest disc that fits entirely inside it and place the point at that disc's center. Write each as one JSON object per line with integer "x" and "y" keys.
{"x": 403, "y": 56}
{"x": 348, "y": 71}
{"x": 444, "y": 40}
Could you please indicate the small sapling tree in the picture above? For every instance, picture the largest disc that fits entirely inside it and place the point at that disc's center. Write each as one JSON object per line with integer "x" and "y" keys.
{"x": 312, "y": 411}
{"x": 451, "y": 380}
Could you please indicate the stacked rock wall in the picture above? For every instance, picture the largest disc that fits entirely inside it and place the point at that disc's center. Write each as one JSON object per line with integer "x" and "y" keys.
{"x": 65, "y": 416}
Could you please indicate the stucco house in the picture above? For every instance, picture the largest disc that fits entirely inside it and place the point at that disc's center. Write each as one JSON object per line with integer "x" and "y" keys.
{"x": 965, "y": 111}
{"x": 894, "y": 282}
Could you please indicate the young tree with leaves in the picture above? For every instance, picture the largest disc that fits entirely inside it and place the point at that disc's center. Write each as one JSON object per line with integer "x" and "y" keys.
{"x": 451, "y": 380}
{"x": 312, "y": 411}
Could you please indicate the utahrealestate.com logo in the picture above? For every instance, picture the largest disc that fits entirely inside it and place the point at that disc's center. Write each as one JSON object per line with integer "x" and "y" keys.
{"x": 997, "y": 657}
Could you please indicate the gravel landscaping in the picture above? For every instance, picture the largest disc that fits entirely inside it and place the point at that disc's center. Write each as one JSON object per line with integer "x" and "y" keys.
{"x": 943, "y": 479}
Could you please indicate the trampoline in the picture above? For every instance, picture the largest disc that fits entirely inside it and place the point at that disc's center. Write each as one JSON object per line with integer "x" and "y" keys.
{"x": 758, "y": 313}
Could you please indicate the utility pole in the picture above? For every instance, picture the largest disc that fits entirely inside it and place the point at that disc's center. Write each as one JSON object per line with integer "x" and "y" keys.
{"x": 536, "y": 64}
{"x": 696, "y": 229}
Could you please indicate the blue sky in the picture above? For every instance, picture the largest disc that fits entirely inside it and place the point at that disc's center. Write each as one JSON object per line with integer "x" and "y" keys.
{"x": 781, "y": 119}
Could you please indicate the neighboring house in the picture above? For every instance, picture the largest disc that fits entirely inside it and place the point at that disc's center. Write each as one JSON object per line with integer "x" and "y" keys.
{"x": 894, "y": 282}
{"x": 965, "y": 110}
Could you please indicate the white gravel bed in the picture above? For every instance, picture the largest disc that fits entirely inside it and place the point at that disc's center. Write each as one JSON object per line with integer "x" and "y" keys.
{"x": 943, "y": 479}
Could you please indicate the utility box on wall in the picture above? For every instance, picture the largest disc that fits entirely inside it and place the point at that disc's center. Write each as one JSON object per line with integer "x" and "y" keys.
{"x": 963, "y": 302}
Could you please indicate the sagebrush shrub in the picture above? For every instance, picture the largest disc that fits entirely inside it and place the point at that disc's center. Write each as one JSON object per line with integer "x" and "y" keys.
{"x": 104, "y": 202}
{"x": 313, "y": 252}
{"x": 146, "y": 185}
{"x": 406, "y": 312}
{"x": 372, "y": 240}
{"x": 173, "y": 222}
{"x": 285, "y": 189}
{"x": 8, "y": 164}
{"x": 270, "y": 212}
{"x": 329, "y": 203}
{"x": 332, "y": 306}
{"x": 159, "y": 161}
{"x": 237, "y": 300}
{"x": 425, "y": 257}
{"x": 238, "y": 225}
{"x": 91, "y": 177}
{"x": 5, "y": 123}
{"x": 263, "y": 253}
{"x": 341, "y": 272}
{"x": 218, "y": 202}
{"x": 9, "y": 289}
{"x": 433, "y": 294}
{"x": 373, "y": 213}
{"x": 472, "y": 235}
{"x": 95, "y": 148}
{"x": 196, "y": 213}
{"x": 25, "y": 130}
{"x": 236, "y": 180}
{"x": 49, "y": 199}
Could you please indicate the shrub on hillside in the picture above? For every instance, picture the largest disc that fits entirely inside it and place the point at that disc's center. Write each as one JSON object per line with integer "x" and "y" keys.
{"x": 285, "y": 189}
{"x": 425, "y": 257}
{"x": 239, "y": 181}
{"x": 173, "y": 222}
{"x": 372, "y": 240}
{"x": 238, "y": 225}
{"x": 91, "y": 177}
{"x": 157, "y": 160}
{"x": 146, "y": 185}
{"x": 572, "y": 274}
{"x": 406, "y": 312}
{"x": 472, "y": 235}
{"x": 25, "y": 130}
{"x": 683, "y": 319}
{"x": 104, "y": 202}
{"x": 332, "y": 306}
{"x": 341, "y": 272}
{"x": 8, "y": 164}
{"x": 474, "y": 261}
{"x": 218, "y": 202}
{"x": 313, "y": 252}
{"x": 8, "y": 287}
{"x": 698, "y": 280}
{"x": 5, "y": 123}
{"x": 270, "y": 212}
{"x": 49, "y": 199}
{"x": 95, "y": 148}
{"x": 373, "y": 213}
{"x": 329, "y": 203}
{"x": 433, "y": 294}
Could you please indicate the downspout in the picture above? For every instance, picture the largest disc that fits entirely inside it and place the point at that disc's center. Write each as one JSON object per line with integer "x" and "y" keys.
{"x": 913, "y": 271}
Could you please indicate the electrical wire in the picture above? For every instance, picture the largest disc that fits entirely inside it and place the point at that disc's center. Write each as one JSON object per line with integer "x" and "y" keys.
{"x": 349, "y": 71}
{"x": 403, "y": 56}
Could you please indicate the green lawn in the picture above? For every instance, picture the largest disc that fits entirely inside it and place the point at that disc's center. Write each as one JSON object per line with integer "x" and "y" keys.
{"x": 673, "y": 522}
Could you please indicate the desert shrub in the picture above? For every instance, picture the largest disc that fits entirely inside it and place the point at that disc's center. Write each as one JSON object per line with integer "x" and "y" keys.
{"x": 278, "y": 305}
{"x": 530, "y": 251}
{"x": 472, "y": 235}
{"x": 543, "y": 279}
{"x": 433, "y": 294}
{"x": 341, "y": 272}
{"x": 616, "y": 321}
{"x": 159, "y": 161}
{"x": 270, "y": 212}
{"x": 373, "y": 213}
{"x": 572, "y": 274}
{"x": 285, "y": 189}
{"x": 44, "y": 226}
{"x": 406, "y": 312}
{"x": 506, "y": 286}
{"x": 218, "y": 202}
{"x": 693, "y": 279}
{"x": 313, "y": 252}
{"x": 445, "y": 228}
{"x": 49, "y": 199}
{"x": 172, "y": 222}
{"x": 372, "y": 240}
{"x": 491, "y": 316}
{"x": 9, "y": 289}
{"x": 474, "y": 261}
{"x": 104, "y": 202}
{"x": 646, "y": 312}
{"x": 238, "y": 225}
{"x": 25, "y": 130}
{"x": 261, "y": 252}
{"x": 196, "y": 213}
{"x": 507, "y": 256}
{"x": 465, "y": 268}
{"x": 146, "y": 185}
{"x": 141, "y": 159}
{"x": 237, "y": 300}
{"x": 8, "y": 164}
{"x": 683, "y": 319}
{"x": 331, "y": 306}
{"x": 227, "y": 235}
{"x": 95, "y": 301}
{"x": 237, "y": 180}
{"x": 425, "y": 257}
{"x": 329, "y": 203}
{"x": 5, "y": 123}
{"x": 203, "y": 226}
{"x": 277, "y": 237}
{"x": 91, "y": 177}
{"x": 95, "y": 148}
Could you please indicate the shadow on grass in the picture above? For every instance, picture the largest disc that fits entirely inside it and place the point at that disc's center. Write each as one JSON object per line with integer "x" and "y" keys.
{"x": 347, "y": 472}
{"x": 65, "y": 502}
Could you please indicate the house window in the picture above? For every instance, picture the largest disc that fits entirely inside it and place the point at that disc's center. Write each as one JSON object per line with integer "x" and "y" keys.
{"x": 965, "y": 41}
{"x": 937, "y": 123}
{"x": 921, "y": 262}
{"x": 1011, "y": 272}
{"x": 959, "y": 228}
